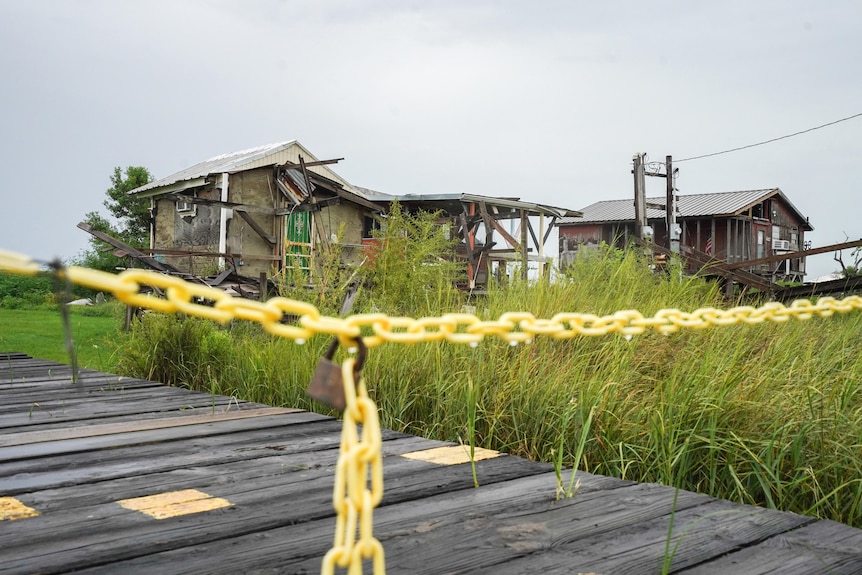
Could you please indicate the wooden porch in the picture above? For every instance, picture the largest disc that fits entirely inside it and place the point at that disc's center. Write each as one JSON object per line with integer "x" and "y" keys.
{"x": 120, "y": 475}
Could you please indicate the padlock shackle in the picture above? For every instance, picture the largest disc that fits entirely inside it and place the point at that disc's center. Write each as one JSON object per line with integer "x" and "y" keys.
{"x": 362, "y": 353}
{"x": 330, "y": 351}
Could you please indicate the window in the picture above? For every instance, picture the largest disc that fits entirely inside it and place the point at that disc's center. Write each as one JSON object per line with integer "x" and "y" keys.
{"x": 369, "y": 224}
{"x": 187, "y": 208}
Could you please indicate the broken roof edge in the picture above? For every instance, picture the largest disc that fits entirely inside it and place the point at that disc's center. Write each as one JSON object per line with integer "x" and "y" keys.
{"x": 542, "y": 209}
{"x": 230, "y": 163}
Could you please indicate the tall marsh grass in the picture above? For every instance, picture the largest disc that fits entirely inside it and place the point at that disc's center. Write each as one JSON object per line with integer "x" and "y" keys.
{"x": 768, "y": 414}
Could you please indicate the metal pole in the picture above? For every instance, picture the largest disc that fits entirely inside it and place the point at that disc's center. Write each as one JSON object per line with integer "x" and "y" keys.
{"x": 524, "y": 258}
{"x": 670, "y": 207}
{"x": 640, "y": 195}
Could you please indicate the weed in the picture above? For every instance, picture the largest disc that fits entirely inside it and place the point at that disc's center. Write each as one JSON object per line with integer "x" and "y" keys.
{"x": 761, "y": 414}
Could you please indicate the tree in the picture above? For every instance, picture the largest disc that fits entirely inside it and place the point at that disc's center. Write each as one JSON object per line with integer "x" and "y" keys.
{"x": 130, "y": 221}
{"x": 849, "y": 270}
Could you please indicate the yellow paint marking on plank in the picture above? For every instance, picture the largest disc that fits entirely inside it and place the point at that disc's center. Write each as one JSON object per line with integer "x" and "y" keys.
{"x": 452, "y": 455}
{"x": 12, "y": 509}
{"x": 174, "y": 503}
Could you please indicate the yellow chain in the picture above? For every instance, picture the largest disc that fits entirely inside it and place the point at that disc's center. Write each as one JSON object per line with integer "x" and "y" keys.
{"x": 513, "y": 327}
{"x": 359, "y": 458}
{"x": 359, "y": 461}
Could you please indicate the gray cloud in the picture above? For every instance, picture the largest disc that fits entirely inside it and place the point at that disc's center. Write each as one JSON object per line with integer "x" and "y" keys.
{"x": 543, "y": 100}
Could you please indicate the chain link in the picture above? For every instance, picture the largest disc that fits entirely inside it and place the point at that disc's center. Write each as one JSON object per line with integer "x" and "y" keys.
{"x": 300, "y": 321}
{"x": 359, "y": 462}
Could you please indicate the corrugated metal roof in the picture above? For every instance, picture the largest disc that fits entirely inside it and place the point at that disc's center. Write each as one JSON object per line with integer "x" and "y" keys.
{"x": 298, "y": 181}
{"x": 231, "y": 162}
{"x": 689, "y": 206}
{"x": 270, "y": 154}
{"x": 722, "y": 203}
{"x": 514, "y": 203}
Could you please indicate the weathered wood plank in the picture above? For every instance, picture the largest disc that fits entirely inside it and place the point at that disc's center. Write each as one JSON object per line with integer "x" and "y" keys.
{"x": 146, "y": 437}
{"x": 136, "y": 426}
{"x": 821, "y": 547}
{"x": 106, "y": 399}
{"x": 205, "y": 475}
{"x": 82, "y": 414}
{"x": 48, "y": 424}
{"x": 37, "y": 371}
{"x": 300, "y": 548}
{"x": 100, "y": 444}
{"x": 700, "y": 533}
{"x": 305, "y": 432}
{"x": 71, "y": 394}
{"x": 10, "y": 355}
{"x": 75, "y": 539}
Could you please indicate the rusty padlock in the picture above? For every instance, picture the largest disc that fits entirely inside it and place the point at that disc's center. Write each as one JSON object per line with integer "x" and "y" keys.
{"x": 327, "y": 383}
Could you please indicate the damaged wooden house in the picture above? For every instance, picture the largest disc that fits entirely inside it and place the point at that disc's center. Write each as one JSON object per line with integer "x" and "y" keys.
{"x": 727, "y": 229}
{"x": 259, "y": 212}
{"x": 487, "y": 248}
{"x": 252, "y": 211}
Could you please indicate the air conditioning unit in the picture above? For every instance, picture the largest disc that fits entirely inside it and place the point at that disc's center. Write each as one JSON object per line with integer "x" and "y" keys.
{"x": 781, "y": 245}
{"x": 185, "y": 207}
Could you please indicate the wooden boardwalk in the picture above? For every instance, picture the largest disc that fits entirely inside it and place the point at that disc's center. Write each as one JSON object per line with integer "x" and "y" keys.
{"x": 245, "y": 488}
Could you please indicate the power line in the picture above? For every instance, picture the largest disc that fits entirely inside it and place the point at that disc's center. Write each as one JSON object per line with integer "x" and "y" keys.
{"x": 769, "y": 141}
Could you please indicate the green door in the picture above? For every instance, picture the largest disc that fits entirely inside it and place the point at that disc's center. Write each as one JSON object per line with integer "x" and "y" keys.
{"x": 297, "y": 247}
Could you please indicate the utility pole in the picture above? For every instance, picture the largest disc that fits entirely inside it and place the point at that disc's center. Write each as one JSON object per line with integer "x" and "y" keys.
{"x": 670, "y": 207}
{"x": 640, "y": 195}
{"x": 524, "y": 256}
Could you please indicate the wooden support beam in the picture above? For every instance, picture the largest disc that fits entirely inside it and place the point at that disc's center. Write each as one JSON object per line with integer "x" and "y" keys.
{"x": 506, "y": 235}
{"x": 318, "y": 225}
{"x": 269, "y": 238}
{"x": 711, "y": 267}
{"x": 129, "y": 250}
{"x": 532, "y": 232}
{"x": 219, "y": 203}
{"x": 262, "y": 286}
{"x": 471, "y": 261}
{"x": 794, "y": 255}
{"x": 355, "y": 199}
{"x": 310, "y": 164}
{"x": 193, "y": 253}
{"x": 486, "y": 219}
{"x": 497, "y": 215}
{"x": 550, "y": 229}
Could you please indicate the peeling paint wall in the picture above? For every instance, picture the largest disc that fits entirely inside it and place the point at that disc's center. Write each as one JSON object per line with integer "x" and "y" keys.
{"x": 199, "y": 230}
{"x": 345, "y": 221}
{"x": 191, "y": 231}
{"x": 254, "y": 188}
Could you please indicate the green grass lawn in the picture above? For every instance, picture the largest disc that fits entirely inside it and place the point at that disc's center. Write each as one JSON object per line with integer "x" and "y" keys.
{"x": 40, "y": 333}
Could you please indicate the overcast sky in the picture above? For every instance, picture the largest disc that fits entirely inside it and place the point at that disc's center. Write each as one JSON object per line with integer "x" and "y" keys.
{"x": 544, "y": 100}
